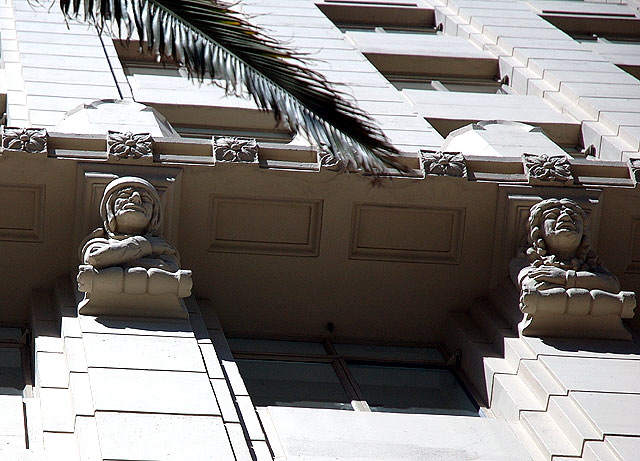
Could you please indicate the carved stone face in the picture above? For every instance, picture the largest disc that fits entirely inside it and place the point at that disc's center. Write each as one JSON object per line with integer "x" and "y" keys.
{"x": 562, "y": 230}
{"x": 133, "y": 209}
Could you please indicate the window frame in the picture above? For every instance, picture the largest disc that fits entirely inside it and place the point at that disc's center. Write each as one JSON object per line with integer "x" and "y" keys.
{"x": 449, "y": 362}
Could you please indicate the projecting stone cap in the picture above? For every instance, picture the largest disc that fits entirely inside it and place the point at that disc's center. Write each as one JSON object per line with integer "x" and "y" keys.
{"x": 499, "y": 138}
{"x": 133, "y": 291}
{"x": 103, "y": 115}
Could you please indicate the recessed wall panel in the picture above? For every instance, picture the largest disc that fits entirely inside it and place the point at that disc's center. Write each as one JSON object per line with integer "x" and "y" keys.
{"x": 401, "y": 233}
{"x": 21, "y": 218}
{"x": 265, "y": 226}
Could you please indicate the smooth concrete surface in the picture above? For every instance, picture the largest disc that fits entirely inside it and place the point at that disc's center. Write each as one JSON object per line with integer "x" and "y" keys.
{"x": 346, "y": 435}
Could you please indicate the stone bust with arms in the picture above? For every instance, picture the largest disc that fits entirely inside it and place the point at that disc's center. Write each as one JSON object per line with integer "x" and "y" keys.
{"x": 564, "y": 288}
{"x": 128, "y": 268}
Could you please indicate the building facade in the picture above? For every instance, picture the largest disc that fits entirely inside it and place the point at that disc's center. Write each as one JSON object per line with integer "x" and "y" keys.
{"x": 301, "y": 311}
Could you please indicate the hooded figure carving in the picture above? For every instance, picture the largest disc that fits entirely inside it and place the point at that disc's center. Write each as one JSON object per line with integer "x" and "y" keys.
{"x": 131, "y": 212}
{"x": 564, "y": 288}
{"x": 127, "y": 267}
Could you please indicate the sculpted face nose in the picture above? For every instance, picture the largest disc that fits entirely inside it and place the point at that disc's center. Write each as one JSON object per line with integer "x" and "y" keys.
{"x": 564, "y": 216}
{"x": 136, "y": 198}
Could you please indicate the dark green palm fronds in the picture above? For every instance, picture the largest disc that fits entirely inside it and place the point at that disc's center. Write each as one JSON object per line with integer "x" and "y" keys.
{"x": 211, "y": 40}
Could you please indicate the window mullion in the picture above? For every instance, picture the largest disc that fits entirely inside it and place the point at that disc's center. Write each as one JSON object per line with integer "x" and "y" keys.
{"x": 346, "y": 379}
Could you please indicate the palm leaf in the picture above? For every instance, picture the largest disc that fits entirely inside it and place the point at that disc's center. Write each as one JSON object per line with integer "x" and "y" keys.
{"x": 211, "y": 40}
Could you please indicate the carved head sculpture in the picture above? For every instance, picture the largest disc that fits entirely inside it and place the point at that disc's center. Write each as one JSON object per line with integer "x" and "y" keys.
{"x": 559, "y": 235}
{"x": 130, "y": 206}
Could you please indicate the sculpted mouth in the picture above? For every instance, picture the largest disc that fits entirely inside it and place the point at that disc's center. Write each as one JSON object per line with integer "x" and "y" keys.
{"x": 133, "y": 207}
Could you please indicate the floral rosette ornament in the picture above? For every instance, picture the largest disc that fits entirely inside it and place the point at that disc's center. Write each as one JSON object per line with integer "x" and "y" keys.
{"x": 444, "y": 163}
{"x": 548, "y": 168}
{"x": 231, "y": 149}
{"x": 129, "y": 145}
{"x": 31, "y": 140}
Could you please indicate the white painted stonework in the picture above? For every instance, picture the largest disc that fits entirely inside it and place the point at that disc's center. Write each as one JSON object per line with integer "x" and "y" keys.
{"x": 284, "y": 247}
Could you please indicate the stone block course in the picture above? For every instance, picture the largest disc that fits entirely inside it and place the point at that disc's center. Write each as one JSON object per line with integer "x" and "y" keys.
{"x": 57, "y": 410}
{"x": 239, "y": 444}
{"x": 51, "y": 370}
{"x": 152, "y": 352}
{"x": 12, "y": 418}
{"x": 152, "y": 391}
{"x": 81, "y": 393}
{"x": 176, "y": 328}
{"x": 61, "y": 447}
{"x": 135, "y": 436}
{"x": 576, "y": 373}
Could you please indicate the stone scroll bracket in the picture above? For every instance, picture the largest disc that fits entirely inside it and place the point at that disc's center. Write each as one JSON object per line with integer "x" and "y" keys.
{"x": 91, "y": 180}
{"x": 133, "y": 292}
{"x": 579, "y": 313}
{"x": 512, "y": 211}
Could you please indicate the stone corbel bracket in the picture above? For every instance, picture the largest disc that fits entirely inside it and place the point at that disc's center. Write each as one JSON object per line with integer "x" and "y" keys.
{"x": 580, "y": 313}
{"x": 129, "y": 146}
{"x": 436, "y": 163}
{"x": 547, "y": 170}
{"x": 24, "y": 140}
{"x": 133, "y": 291}
{"x": 228, "y": 149}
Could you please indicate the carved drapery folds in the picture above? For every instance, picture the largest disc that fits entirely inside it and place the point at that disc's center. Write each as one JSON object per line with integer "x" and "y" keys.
{"x": 127, "y": 267}
{"x": 564, "y": 288}
{"x": 30, "y": 140}
{"x": 444, "y": 163}
{"x": 546, "y": 169}
{"x": 232, "y": 149}
{"x": 129, "y": 145}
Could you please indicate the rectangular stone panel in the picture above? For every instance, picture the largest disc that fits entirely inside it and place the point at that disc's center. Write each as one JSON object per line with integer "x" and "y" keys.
{"x": 22, "y": 212}
{"x": 136, "y": 436}
{"x": 265, "y": 226}
{"x": 612, "y": 413}
{"x": 152, "y": 352}
{"x": 405, "y": 233}
{"x": 152, "y": 391}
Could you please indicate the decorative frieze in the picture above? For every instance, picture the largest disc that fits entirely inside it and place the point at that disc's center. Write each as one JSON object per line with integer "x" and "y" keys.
{"x": 30, "y": 140}
{"x": 232, "y": 149}
{"x": 543, "y": 169}
{"x": 443, "y": 163}
{"x": 129, "y": 145}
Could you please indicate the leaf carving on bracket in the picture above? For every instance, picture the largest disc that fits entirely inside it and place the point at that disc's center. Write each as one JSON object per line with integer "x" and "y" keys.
{"x": 129, "y": 145}
{"x": 232, "y": 149}
{"x": 547, "y": 168}
{"x": 31, "y": 140}
{"x": 444, "y": 163}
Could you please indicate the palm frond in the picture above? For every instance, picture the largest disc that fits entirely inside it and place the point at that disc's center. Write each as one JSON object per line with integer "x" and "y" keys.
{"x": 212, "y": 40}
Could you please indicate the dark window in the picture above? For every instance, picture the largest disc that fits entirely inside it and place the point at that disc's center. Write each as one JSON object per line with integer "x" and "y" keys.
{"x": 351, "y": 377}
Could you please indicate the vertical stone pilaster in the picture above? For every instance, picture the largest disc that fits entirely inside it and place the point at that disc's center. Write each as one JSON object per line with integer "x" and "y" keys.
{"x": 135, "y": 388}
